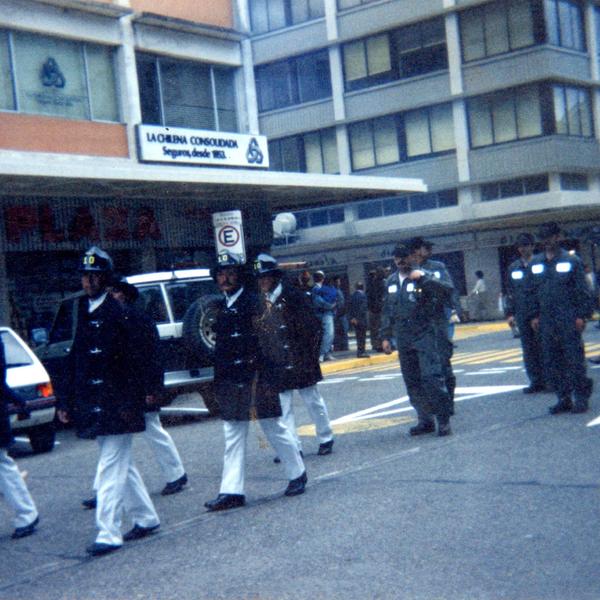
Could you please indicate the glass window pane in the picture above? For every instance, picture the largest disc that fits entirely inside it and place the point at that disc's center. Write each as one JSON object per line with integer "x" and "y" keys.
{"x": 378, "y": 55}
{"x": 529, "y": 117}
{"x": 567, "y": 39}
{"x": 416, "y": 124}
{"x": 472, "y": 35}
{"x": 299, "y": 10}
{"x": 386, "y": 141}
{"x": 316, "y": 8}
{"x": 490, "y": 191}
{"x": 480, "y": 122}
{"x": 329, "y": 149}
{"x": 6, "y": 86}
{"x": 551, "y": 15}
{"x": 423, "y": 202}
{"x": 496, "y": 33}
{"x": 442, "y": 128}
{"x": 447, "y": 198}
{"x": 573, "y": 181}
{"x": 433, "y": 32}
{"x": 314, "y": 80}
{"x": 153, "y": 304}
{"x": 536, "y": 184}
{"x": 511, "y": 188}
{"x": 149, "y": 94}
{"x": 573, "y": 118}
{"x": 370, "y": 210}
{"x": 560, "y": 110}
{"x": 585, "y": 111}
{"x": 336, "y": 215}
{"x": 275, "y": 162}
{"x": 274, "y": 86}
{"x": 395, "y": 206}
{"x": 226, "y": 99}
{"x": 312, "y": 153}
{"x": 520, "y": 24}
{"x": 318, "y": 218}
{"x": 102, "y": 82}
{"x": 276, "y": 14}
{"x": 361, "y": 143}
{"x": 259, "y": 16}
{"x": 504, "y": 119}
{"x": 355, "y": 64}
{"x": 51, "y": 76}
{"x": 290, "y": 154}
{"x": 409, "y": 38}
{"x": 187, "y": 95}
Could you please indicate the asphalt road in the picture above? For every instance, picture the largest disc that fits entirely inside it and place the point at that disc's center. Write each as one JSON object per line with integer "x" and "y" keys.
{"x": 507, "y": 507}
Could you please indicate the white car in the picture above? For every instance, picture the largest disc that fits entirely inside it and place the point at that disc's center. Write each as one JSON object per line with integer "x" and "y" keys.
{"x": 27, "y": 377}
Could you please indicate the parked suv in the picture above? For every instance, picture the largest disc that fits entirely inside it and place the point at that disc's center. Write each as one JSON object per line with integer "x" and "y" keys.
{"x": 183, "y": 305}
{"x": 28, "y": 378}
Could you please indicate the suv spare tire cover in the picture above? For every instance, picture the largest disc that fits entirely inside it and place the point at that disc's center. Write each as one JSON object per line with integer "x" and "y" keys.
{"x": 198, "y": 326}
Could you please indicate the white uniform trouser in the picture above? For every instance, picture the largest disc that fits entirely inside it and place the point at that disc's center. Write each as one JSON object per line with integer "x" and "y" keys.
{"x": 316, "y": 408}
{"x": 15, "y": 491}
{"x": 165, "y": 451}
{"x": 120, "y": 487}
{"x": 234, "y": 462}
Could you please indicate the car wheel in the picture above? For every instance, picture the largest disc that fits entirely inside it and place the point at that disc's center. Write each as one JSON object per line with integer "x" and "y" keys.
{"x": 198, "y": 327}
{"x": 42, "y": 437}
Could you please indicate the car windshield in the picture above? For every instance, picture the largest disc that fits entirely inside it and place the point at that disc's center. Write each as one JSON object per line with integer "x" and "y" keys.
{"x": 15, "y": 354}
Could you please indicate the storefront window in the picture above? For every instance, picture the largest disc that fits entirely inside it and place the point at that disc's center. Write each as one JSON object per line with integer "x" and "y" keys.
{"x": 57, "y": 77}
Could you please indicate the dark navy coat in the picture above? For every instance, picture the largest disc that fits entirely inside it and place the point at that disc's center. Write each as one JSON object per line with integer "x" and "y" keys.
{"x": 236, "y": 362}
{"x": 289, "y": 335}
{"x": 517, "y": 301}
{"x": 105, "y": 391}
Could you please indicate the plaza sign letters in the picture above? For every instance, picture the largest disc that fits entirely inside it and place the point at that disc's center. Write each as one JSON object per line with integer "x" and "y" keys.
{"x": 215, "y": 148}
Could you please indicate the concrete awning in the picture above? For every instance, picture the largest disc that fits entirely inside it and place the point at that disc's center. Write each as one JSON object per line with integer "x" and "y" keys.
{"x": 72, "y": 176}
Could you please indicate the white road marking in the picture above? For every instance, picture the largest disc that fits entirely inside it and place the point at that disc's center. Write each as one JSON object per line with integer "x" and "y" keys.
{"x": 594, "y": 422}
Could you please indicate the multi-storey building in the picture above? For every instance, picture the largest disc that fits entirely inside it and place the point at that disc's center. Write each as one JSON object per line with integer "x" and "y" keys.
{"x": 125, "y": 124}
{"x": 494, "y": 103}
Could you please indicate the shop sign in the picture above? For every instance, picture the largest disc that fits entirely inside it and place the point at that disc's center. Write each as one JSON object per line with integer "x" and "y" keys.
{"x": 194, "y": 146}
{"x": 229, "y": 235}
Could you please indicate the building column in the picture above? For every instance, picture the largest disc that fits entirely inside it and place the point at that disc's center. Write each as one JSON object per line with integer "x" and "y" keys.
{"x": 593, "y": 50}
{"x": 128, "y": 83}
{"x": 4, "y": 297}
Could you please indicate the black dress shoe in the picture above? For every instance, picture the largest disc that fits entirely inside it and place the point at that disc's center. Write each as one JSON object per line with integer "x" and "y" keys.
{"x": 325, "y": 448}
{"x": 138, "y": 532}
{"x": 99, "y": 549}
{"x": 26, "y": 530}
{"x": 174, "y": 486}
{"x": 226, "y": 501}
{"x": 534, "y": 389}
{"x": 444, "y": 430}
{"x": 296, "y": 486}
{"x": 422, "y": 428}
{"x": 90, "y": 503}
{"x": 580, "y": 407}
{"x": 560, "y": 407}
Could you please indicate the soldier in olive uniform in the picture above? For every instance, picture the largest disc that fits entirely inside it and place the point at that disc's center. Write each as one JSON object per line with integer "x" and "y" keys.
{"x": 516, "y": 313}
{"x": 411, "y": 314}
{"x": 560, "y": 301}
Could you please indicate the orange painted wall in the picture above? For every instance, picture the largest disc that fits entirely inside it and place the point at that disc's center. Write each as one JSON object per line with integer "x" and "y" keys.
{"x": 211, "y": 12}
{"x": 46, "y": 134}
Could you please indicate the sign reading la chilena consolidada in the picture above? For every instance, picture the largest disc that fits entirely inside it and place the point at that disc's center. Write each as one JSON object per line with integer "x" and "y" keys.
{"x": 216, "y": 148}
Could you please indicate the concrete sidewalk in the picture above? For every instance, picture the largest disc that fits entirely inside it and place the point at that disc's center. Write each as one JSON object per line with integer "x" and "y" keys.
{"x": 346, "y": 360}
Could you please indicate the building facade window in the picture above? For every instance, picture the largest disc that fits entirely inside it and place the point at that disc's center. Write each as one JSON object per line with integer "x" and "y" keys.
{"x": 186, "y": 94}
{"x": 344, "y": 4}
{"x": 508, "y": 25}
{"x": 399, "y": 54}
{"x": 398, "y": 138}
{"x": 269, "y": 15}
{"x": 564, "y": 24}
{"x": 529, "y": 111}
{"x": 536, "y": 184}
{"x": 314, "y": 152}
{"x": 318, "y": 217}
{"x": 56, "y": 77}
{"x": 577, "y": 182}
{"x": 293, "y": 81}
{"x": 372, "y": 209}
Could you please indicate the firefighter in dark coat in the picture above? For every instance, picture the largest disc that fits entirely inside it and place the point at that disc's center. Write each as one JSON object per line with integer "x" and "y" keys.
{"x": 516, "y": 313}
{"x": 12, "y": 484}
{"x": 289, "y": 337}
{"x": 411, "y": 314}
{"x": 106, "y": 403}
{"x": 560, "y": 302}
{"x": 237, "y": 358}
